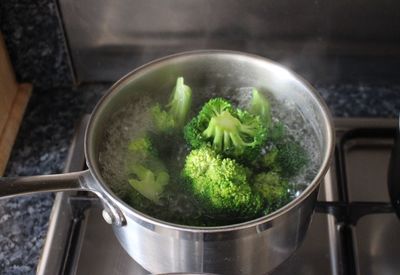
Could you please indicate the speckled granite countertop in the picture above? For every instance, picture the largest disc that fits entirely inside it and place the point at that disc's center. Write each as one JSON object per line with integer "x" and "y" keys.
{"x": 45, "y": 135}
{"x": 41, "y": 148}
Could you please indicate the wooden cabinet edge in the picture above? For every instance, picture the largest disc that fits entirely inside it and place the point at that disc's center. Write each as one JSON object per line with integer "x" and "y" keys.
{"x": 14, "y": 119}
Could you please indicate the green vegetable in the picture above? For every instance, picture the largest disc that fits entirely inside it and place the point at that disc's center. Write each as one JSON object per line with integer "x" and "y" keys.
{"x": 232, "y": 132}
{"x": 147, "y": 182}
{"x": 162, "y": 120}
{"x": 180, "y": 102}
{"x": 220, "y": 184}
{"x": 276, "y": 133}
{"x": 286, "y": 158}
{"x": 142, "y": 147}
{"x": 178, "y": 109}
{"x": 261, "y": 107}
{"x": 238, "y": 167}
{"x": 273, "y": 189}
{"x": 147, "y": 174}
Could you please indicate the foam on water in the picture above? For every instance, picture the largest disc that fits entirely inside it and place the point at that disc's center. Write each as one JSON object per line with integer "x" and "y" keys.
{"x": 296, "y": 128}
{"x": 122, "y": 128}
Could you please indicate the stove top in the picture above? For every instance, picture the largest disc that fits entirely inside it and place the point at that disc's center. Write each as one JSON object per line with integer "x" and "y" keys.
{"x": 352, "y": 232}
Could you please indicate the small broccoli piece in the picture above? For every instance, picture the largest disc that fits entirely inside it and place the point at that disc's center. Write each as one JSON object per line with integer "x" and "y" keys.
{"x": 147, "y": 182}
{"x": 273, "y": 189}
{"x": 178, "y": 109}
{"x": 276, "y": 133}
{"x": 142, "y": 147}
{"x": 162, "y": 120}
{"x": 235, "y": 133}
{"x": 193, "y": 135}
{"x": 261, "y": 107}
{"x": 220, "y": 184}
{"x": 180, "y": 102}
{"x": 146, "y": 173}
{"x": 287, "y": 159}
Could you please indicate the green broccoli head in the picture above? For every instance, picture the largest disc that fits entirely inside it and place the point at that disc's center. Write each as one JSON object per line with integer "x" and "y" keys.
{"x": 273, "y": 189}
{"x": 220, "y": 184}
{"x": 261, "y": 107}
{"x": 286, "y": 158}
{"x": 232, "y": 132}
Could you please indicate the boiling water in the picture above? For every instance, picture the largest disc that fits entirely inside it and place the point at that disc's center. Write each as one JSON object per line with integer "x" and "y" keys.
{"x": 178, "y": 206}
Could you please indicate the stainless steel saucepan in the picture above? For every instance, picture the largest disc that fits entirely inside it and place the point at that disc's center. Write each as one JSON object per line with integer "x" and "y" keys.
{"x": 253, "y": 247}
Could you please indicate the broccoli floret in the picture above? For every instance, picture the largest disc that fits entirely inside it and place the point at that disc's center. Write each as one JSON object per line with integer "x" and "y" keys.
{"x": 276, "y": 133}
{"x": 142, "y": 147}
{"x": 220, "y": 184}
{"x": 261, "y": 107}
{"x": 162, "y": 120}
{"x": 146, "y": 173}
{"x": 273, "y": 189}
{"x": 178, "y": 109}
{"x": 286, "y": 158}
{"x": 193, "y": 135}
{"x": 147, "y": 182}
{"x": 232, "y": 132}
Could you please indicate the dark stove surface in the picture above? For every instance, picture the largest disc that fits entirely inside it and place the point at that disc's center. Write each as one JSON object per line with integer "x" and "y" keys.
{"x": 80, "y": 242}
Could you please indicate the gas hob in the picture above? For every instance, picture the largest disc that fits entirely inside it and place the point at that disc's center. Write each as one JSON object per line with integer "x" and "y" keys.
{"x": 352, "y": 232}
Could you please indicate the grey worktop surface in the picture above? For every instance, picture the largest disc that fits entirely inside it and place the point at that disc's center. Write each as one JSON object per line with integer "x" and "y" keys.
{"x": 45, "y": 135}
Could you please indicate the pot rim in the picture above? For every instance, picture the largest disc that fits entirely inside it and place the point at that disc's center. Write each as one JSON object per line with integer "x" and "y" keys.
{"x": 328, "y": 154}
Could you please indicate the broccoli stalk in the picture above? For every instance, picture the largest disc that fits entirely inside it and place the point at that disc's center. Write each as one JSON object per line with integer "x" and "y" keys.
{"x": 178, "y": 109}
{"x": 147, "y": 174}
{"x": 225, "y": 130}
{"x": 220, "y": 184}
{"x": 180, "y": 102}
{"x": 233, "y": 132}
{"x": 260, "y": 106}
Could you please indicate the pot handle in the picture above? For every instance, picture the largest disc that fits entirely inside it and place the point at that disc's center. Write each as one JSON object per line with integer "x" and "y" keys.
{"x": 16, "y": 186}
{"x": 75, "y": 181}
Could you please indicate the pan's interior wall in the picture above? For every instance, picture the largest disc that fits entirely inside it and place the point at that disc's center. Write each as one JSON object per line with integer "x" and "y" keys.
{"x": 210, "y": 75}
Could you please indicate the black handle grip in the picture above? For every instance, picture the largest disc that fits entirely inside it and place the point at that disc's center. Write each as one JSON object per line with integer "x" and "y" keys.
{"x": 393, "y": 180}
